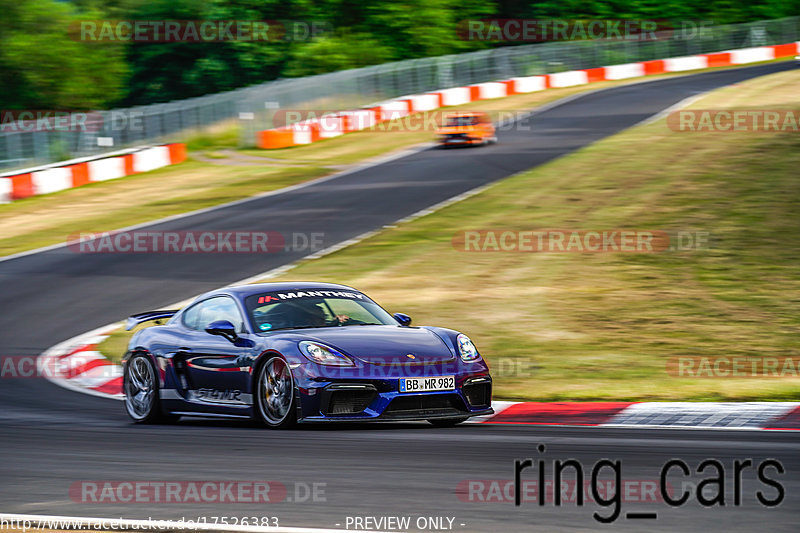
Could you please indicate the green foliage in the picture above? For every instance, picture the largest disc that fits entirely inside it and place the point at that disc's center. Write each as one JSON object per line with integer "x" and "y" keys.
{"x": 169, "y": 71}
{"x": 42, "y": 65}
{"x": 419, "y": 28}
{"x": 327, "y": 54}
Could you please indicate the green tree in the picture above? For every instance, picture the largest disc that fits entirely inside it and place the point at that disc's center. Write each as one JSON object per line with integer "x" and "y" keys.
{"x": 419, "y": 28}
{"x": 331, "y": 53}
{"x": 43, "y": 65}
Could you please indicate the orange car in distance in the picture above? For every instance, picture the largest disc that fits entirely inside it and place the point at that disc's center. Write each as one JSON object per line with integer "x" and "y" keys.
{"x": 466, "y": 129}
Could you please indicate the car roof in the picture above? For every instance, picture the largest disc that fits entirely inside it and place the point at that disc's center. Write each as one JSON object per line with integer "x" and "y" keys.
{"x": 243, "y": 291}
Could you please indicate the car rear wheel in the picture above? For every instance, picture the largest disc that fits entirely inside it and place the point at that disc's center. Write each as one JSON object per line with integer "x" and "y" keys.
{"x": 447, "y": 422}
{"x": 140, "y": 386}
{"x": 276, "y": 398}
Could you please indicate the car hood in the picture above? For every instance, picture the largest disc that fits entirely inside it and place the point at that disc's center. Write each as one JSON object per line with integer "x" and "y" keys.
{"x": 386, "y": 345}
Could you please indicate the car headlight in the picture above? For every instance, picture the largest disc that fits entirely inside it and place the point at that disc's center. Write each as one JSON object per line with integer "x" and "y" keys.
{"x": 324, "y": 355}
{"x": 467, "y": 350}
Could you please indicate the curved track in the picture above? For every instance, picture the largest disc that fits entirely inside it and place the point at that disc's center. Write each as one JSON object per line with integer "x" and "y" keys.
{"x": 51, "y": 438}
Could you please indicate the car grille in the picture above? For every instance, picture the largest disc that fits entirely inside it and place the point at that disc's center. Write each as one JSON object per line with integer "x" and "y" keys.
{"x": 423, "y": 405}
{"x": 479, "y": 394}
{"x": 349, "y": 402}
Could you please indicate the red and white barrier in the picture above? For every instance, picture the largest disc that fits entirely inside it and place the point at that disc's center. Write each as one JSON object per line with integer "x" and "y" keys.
{"x": 332, "y": 126}
{"x": 454, "y": 96}
{"x": 568, "y": 79}
{"x": 5, "y": 191}
{"x": 487, "y": 91}
{"x": 359, "y": 119}
{"x": 752, "y": 55}
{"x": 151, "y": 159}
{"x": 393, "y": 109}
{"x": 624, "y": 71}
{"x": 423, "y": 102}
{"x": 52, "y": 180}
{"x": 529, "y": 84}
{"x": 107, "y": 169}
{"x": 70, "y": 174}
{"x": 680, "y": 64}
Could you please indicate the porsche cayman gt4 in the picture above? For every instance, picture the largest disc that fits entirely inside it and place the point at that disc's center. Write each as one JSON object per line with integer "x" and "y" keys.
{"x": 285, "y": 353}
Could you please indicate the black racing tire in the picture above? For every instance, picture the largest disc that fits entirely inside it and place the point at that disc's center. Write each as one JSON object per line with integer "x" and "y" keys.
{"x": 275, "y": 400}
{"x": 447, "y": 422}
{"x": 140, "y": 387}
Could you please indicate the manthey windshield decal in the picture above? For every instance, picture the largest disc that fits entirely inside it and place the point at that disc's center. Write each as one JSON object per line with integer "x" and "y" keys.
{"x": 279, "y": 296}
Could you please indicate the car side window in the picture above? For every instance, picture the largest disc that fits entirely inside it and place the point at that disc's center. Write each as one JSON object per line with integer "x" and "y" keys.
{"x": 191, "y": 315}
{"x": 201, "y": 315}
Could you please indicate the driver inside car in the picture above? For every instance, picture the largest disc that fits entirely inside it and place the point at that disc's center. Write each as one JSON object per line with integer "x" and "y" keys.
{"x": 291, "y": 314}
{"x": 318, "y": 317}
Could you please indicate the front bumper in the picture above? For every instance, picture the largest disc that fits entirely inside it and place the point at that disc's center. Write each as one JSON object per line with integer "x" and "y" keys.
{"x": 368, "y": 398}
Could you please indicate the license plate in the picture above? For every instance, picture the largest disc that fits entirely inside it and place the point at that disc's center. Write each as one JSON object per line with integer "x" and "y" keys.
{"x": 436, "y": 383}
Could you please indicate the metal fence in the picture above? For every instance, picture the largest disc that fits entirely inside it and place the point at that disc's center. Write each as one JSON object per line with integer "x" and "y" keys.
{"x": 253, "y": 106}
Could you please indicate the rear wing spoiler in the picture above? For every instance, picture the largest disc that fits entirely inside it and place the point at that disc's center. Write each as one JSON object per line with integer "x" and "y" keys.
{"x": 135, "y": 320}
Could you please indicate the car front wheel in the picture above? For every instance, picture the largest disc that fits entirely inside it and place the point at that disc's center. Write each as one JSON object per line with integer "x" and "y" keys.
{"x": 275, "y": 388}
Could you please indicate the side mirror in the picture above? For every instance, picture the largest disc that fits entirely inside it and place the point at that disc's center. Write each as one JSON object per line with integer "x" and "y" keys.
{"x": 223, "y": 328}
{"x": 404, "y": 319}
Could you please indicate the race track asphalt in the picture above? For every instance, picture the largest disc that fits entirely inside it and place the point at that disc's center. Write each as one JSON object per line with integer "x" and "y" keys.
{"x": 51, "y": 438}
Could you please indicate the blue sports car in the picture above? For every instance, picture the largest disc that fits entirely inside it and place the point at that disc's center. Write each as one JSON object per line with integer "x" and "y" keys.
{"x": 285, "y": 353}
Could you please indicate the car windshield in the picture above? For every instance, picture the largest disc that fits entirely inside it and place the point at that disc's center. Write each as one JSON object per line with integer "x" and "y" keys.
{"x": 462, "y": 121}
{"x": 314, "y": 309}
